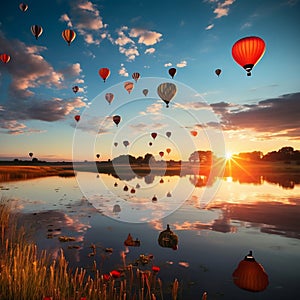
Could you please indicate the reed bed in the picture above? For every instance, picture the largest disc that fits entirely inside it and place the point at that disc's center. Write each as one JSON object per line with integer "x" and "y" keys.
{"x": 27, "y": 273}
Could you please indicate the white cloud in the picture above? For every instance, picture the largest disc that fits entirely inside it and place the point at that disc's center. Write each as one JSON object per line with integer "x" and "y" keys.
{"x": 87, "y": 21}
{"x": 168, "y": 65}
{"x": 65, "y": 18}
{"x": 182, "y": 64}
{"x": 145, "y": 37}
{"x": 130, "y": 53}
{"x": 123, "y": 71}
{"x": 209, "y": 27}
{"x": 149, "y": 50}
{"x": 223, "y": 8}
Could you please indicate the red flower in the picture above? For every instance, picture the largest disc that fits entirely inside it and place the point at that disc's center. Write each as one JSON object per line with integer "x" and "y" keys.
{"x": 83, "y": 298}
{"x": 115, "y": 274}
{"x": 106, "y": 277}
{"x": 47, "y": 298}
{"x": 155, "y": 269}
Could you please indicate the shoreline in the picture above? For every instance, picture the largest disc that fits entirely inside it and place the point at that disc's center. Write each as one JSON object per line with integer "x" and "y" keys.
{"x": 14, "y": 171}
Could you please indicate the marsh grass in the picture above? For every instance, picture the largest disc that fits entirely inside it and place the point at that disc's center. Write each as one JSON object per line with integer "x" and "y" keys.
{"x": 27, "y": 273}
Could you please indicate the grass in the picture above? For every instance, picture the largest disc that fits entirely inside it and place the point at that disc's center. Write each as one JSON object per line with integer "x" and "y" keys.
{"x": 12, "y": 173}
{"x": 27, "y": 273}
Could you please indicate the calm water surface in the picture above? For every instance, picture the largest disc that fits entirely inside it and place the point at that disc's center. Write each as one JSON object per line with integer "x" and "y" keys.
{"x": 217, "y": 223}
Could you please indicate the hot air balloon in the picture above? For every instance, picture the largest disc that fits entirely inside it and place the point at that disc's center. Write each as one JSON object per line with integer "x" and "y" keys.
{"x": 145, "y": 92}
{"x": 168, "y": 239}
{"x": 248, "y": 51}
{"x": 36, "y": 30}
{"x": 104, "y": 73}
{"x": 168, "y": 150}
{"x": 109, "y": 97}
{"x": 5, "y": 58}
{"x": 125, "y": 143}
{"x": 75, "y": 89}
{"x": 131, "y": 242}
{"x": 250, "y": 275}
{"x": 125, "y": 188}
{"x": 154, "y": 199}
{"x": 115, "y": 144}
{"x": 194, "y": 132}
{"x": 166, "y": 91}
{"x": 172, "y": 72}
{"x": 23, "y": 6}
{"x": 168, "y": 134}
{"x": 161, "y": 153}
{"x": 69, "y": 35}
{"x": 98, "y": 155}
{"x": 77, "y": 118}
{"x": 116, "y": 119}
{"x": 154, "y": 135}
{"x": 150, "y": 143}
{"x": 136, "y": 76}
{"x": 116, "y": 208}
{"x": 30, "y": 154}
{"x": 218, "y": 72}
{"x": 128, "y": 85}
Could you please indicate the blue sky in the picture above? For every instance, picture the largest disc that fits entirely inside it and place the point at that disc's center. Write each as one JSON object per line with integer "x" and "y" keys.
{"x": 37, "y": 105}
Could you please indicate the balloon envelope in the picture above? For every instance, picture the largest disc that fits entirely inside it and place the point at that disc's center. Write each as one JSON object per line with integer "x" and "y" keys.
{"x": 161, "y": 153}
{"x": 109, "y": 97}
{"x": 248, "y": 51}
{"x": 5, "y": 58}
{"x": 69, "y": 35}
{"x": 172, "y": 72}
{"x": 168, "y": 134}
{"x": 104, "y": 73}
{"x": 36, "y": 30}
{"x": 218, "y": 72}
{"x": 166, "y": 91}
{"x": 125, "y": 143}
{"x": 77, "y": 118}
{"x": 75, "y": 89}
{"x": 168, "y": 150}
{"x": 136, "y": 76}
{"x": 154, "y": 135}
{"x": 116, "y": 119}
{"x": 145, "y": 92}
{"x": 23, "y": 6}
{"x": 194, "y": 132}
{"x": 128, "y": 85}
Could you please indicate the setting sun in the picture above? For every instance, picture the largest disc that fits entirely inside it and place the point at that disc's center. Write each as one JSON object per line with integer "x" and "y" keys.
{"x": 228, "y": 155}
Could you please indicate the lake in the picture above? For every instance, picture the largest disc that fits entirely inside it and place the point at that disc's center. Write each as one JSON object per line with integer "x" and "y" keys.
{"x": 217, "y": 221}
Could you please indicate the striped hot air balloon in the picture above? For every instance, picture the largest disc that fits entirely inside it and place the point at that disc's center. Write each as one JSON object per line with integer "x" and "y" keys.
{"x": 36, "y": 30}
{"x": 248, "y": 51}
{"x": 69, "y": 35}
{"x": 136, "y": 76}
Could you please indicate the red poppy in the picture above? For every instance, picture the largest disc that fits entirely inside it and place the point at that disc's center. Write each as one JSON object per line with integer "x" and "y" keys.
{"x": 106, "y": 277}
{"x": 155, "y": 269}
{"x": 115, "y": 274}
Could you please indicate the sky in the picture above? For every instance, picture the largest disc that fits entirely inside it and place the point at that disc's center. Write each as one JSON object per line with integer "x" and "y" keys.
{"x": 233, "y": 112}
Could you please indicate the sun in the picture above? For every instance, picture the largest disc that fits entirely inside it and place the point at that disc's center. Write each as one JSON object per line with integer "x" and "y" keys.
{"x": 228, "y": 155}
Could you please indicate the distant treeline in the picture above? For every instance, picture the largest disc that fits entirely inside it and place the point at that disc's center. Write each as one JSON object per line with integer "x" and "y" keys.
{"x": 286, "y": 154}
